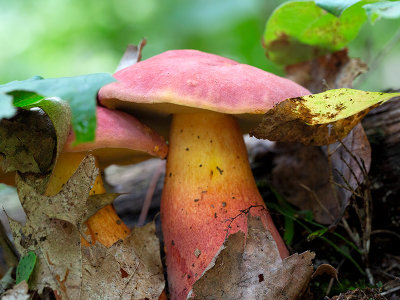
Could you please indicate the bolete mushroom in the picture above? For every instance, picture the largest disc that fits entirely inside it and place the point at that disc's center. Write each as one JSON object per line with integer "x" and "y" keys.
{"x": 120, "y": 139}
{"x": 214, "y": 100}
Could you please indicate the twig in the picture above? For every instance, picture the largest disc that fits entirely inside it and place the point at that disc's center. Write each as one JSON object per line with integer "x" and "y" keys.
{"x": 397, "y": 288}
{"x": 385, "y": 231}
{"x": 150, "y": 193}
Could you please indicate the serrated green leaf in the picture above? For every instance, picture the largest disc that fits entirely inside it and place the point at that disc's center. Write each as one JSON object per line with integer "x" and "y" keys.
{"x": 318, "y": 119}
{"x": 25, "y": 267}
{"x": 80, "y": 92}
{"x": 384, "y": 9}
{"x": 336, "y": 7}
{"x": 300, "y": 30}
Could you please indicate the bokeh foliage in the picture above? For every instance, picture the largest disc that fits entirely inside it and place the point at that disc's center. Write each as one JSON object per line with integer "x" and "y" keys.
{"x": 71, "y": 37}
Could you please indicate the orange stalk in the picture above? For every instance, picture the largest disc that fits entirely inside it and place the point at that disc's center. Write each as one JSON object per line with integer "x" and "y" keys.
{"x": 208, "y": 182}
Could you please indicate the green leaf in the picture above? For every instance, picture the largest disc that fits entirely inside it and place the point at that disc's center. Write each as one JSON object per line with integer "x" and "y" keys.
{"x": 384, "y": 9}
{"x": 318, "y": 119}
{"x": 300, "y": 30}
{"x": 25, "y": 267}
{"x": 289, "y": 231}
{"x": 80, "y": 92}
{"x": 317, "y": 233}
{"x": 336, "y": 7}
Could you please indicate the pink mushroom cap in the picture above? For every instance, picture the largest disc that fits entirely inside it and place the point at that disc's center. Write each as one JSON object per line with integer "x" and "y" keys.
{"x": 120, "y": 139}
{"x": 185, "y": 80}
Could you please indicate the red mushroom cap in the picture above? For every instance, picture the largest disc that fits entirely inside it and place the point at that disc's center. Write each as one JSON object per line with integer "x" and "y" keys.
{"x": 120, "y": 139}
{"x": 182, "y": 80}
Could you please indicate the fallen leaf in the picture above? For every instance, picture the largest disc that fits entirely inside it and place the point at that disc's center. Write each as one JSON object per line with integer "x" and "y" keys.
{"x": 132, "y": 55}
{"x": 32, "y": 140}
{"x": 325, "y": 269}
{"x": 57, "y": 243}
{"x": 318, "y": 119}
{"x": 18, "y": 292}
{"x": 129, "y": 269}
{"x": 302, "y": 175}
{"x": 27, "y": 142}
{"x": 332, "y": 71}
{"x": 350, "y": 163}
{"x": 70, "y": 204}
{"x": 251, "y": 268}
{"x": 321, "y": 179}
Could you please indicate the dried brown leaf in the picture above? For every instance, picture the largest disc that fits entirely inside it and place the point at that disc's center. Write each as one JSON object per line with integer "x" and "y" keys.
{"x": 331, "y": 71}
{"x": 129, "y": 269}
{"x": 251, "y": 268}
{"x": 70, "y": 204}
{"x": 56, "y": 242}
{"x": 132, "y": 55}
{"x": 28, "y": 142}
{"x": 308, "y": 179}
{"x": 325, "y": 269}
{"x": 301, "y": 174}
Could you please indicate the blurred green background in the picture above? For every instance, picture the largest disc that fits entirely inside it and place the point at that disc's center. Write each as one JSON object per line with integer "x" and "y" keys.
{"x": 57, "y": 38}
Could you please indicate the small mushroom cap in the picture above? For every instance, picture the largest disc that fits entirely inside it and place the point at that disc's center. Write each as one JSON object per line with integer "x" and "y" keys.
{"x": 120, "y": 139}
{"x": 185, "y": 80}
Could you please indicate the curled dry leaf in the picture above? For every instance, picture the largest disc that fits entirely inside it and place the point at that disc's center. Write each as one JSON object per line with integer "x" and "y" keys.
{"x": 27, "y": 142}
{"x": 318, "y": 119}
{"x": 251, "y": 268}
{"x": 129, "y": 269}
{"x": 31, "y": 141}
{"x": 325, "y": 269}
{"x": 331, "y": 71}
{"x": 132, "y": 55}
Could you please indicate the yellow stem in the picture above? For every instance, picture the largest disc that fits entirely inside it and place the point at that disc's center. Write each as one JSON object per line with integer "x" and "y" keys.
{"x": 208, "y": 182}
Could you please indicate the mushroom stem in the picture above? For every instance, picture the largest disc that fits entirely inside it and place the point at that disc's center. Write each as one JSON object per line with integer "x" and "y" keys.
{"x": 105, "y": 226}
{"x": 208, "y": 182}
